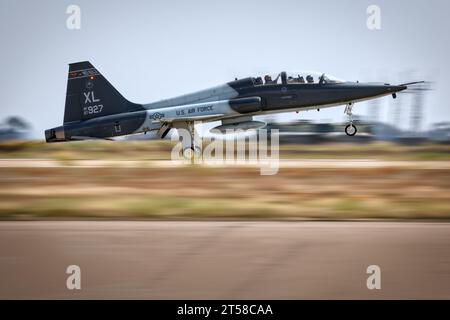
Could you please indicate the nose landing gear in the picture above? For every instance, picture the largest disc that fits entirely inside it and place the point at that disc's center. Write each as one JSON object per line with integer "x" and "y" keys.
{"x": 350, "y": 129}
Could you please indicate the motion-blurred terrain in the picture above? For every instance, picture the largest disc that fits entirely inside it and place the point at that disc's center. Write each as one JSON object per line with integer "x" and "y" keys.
{"x": 136, "y": 179}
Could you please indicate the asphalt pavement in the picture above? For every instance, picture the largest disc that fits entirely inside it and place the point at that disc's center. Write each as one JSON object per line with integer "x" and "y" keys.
{"x": 224, "y": 259}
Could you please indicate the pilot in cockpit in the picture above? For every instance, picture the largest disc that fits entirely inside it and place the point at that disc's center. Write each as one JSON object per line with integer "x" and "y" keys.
{"x": 309, "y": 79}
{"x": 268, "y": 79}
{"x": 301, "y": 79}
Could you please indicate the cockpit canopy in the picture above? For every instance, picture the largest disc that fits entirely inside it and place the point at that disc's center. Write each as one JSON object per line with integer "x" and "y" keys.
{"x": 302, "y": 77}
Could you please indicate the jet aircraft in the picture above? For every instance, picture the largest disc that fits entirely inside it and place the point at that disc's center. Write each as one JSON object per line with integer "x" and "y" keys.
{"x": 94, "y": 109}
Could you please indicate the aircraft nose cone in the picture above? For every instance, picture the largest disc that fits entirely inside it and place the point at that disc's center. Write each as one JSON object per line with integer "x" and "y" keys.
{"x": 394, "y": 89}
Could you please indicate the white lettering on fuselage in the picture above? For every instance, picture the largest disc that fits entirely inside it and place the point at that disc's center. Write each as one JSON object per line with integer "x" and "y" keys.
{"x": 89, "y": 97}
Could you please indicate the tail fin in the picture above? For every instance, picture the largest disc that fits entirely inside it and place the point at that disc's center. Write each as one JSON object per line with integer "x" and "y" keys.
{"x": 90, "y": 95}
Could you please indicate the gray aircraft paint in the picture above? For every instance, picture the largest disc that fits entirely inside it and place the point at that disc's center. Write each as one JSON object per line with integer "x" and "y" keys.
{"x": 205, "y": 111}
{"x": 221, "y": 92}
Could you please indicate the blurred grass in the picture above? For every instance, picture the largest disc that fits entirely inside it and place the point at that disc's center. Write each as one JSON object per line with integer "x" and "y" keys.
{"x": 235, "y": 192}
{"x": 79, "y": 150}
{"x": 160, "y": 150}
{"x": 197, "y": 192}
{"x": 156, "y": 207}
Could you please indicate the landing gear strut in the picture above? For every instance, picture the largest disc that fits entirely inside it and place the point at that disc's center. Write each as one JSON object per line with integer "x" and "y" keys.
{"x": 350, "y": 129}
{"x": 190, "y": 148}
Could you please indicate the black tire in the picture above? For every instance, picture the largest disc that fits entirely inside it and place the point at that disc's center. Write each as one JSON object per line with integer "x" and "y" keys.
{"x": 351, "y": 130}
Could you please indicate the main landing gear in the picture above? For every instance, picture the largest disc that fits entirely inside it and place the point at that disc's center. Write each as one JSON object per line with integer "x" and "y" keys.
{"x": 191, "y": 150}
{"x": 350, "y": 129}
{"x": 191, "y": 153}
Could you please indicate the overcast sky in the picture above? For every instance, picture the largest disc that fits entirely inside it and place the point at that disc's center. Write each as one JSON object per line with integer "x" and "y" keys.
{"x": 151, "y": 50}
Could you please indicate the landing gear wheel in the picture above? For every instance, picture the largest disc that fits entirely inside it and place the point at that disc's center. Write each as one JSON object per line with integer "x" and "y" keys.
{"x": 189, "y": 153}
{"x": 350, "y": 130}
{"x": 197, "y": 152}
{"x": 192, "y": 153}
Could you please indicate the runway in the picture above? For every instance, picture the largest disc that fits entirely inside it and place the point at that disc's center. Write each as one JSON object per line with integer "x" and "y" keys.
{"x": 224, "y": 259}
{"x": 280, "y": 163}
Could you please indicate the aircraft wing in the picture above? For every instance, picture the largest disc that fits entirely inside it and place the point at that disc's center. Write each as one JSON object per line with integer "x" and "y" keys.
{"x": 191, "y": 118}
{"x": 81, "y": 138}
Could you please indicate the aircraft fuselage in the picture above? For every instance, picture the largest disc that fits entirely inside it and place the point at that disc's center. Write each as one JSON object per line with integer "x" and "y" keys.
{"x": 104, "y": 113}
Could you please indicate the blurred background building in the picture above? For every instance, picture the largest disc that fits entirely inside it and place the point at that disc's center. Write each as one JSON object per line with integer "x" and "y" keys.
{"x": 15, "y": 128}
